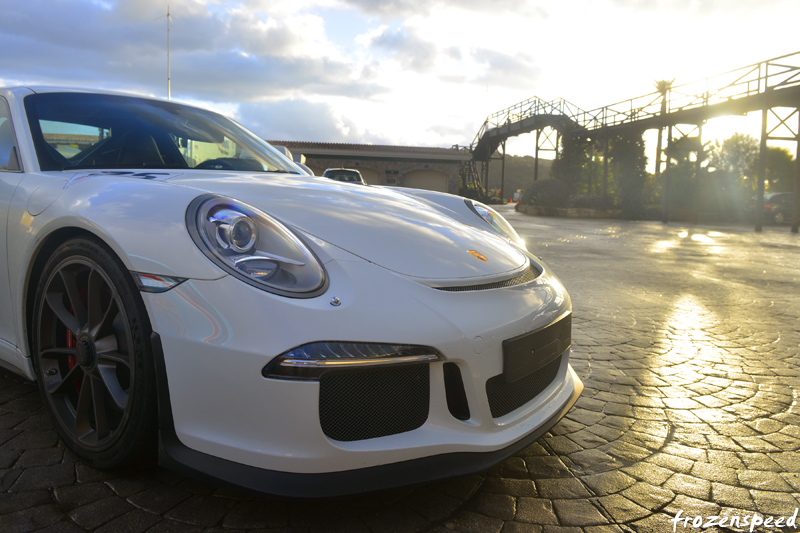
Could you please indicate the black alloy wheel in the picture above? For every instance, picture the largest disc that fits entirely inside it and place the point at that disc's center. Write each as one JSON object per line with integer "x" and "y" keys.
{"x": 92, "y": 355}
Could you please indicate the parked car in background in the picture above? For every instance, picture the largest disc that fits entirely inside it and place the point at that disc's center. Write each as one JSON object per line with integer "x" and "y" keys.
{"x": 348, "y": 175}
{"x": 778, "y": 207}
{"x": 176, "y": 285}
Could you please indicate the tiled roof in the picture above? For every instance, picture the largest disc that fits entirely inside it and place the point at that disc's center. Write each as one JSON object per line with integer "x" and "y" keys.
{"x": 311, "y": 148}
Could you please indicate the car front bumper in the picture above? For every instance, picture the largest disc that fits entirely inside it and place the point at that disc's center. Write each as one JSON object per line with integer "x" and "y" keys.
{"x": 223, "y": 420}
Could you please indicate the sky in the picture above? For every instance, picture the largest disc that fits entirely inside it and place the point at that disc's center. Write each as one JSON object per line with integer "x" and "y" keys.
{"x": 418, "y": 73}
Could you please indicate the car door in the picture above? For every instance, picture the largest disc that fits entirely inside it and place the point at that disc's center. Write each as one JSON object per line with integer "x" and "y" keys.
{"x": 10, "y": 176}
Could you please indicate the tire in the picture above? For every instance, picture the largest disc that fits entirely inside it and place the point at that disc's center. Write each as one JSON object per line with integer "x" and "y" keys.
{"x": 92, "y": 356}
{"x": 779, "y": 218}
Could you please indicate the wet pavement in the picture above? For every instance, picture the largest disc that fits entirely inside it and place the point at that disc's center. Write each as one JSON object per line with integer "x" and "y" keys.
{"x": 687, "y": 340}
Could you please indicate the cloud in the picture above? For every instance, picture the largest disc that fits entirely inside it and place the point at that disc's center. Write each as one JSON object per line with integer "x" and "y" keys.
{"x": 406, "y": 46}
{"x": 407, "y": 8}
{"x": 509, "y": 70}
{"x": 303, "y": 120}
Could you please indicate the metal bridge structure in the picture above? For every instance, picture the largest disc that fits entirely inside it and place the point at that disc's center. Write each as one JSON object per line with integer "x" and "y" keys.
{"x": 771, "y": 87}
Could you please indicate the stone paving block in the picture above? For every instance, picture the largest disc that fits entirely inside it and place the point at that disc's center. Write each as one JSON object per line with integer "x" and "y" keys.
{"x": 159, "y": 498}
{"x": 715, "y": 472}
{"x": 689, "y": 485}
{"x": 692, "y": 506}
{"x": 652, "y": 474}
{"x": 200, "y": 510}
{"x": 86, "y": 474}
{"x": 562, "y": 445}
{"x": 495, "y": 506}
{"x": 760, "y": 461}
{"x": 257, "y": 513}
{"x": 732, "y": 496}
{"x": 72, "y": 496}
{"x": 39, "y": 457}
{"x": 578, "y": 513}
{"x": 768, "y": 481}
{"x": 513, "y": 467}
{"x": 31, "y": 519}
{"x": 395, "y": 519}
{"x": 625, "y": 452}
{"x": 97, "y": 513}
{"x": 648, "y": 496}
{"x": 608, "y": 482}
{"x": 561, "y": 529}
{"x": 521, "y": 527}
{"x": 687, "y": 452}
{"x": 782, "y": 441}
{"x": 756, "y": 444}
{"x": 593, "y": 461}
{"x": 460, "y": 488}
{"x": 671, "y": 462}
{"x": 126, "y": 486}
{"x": 622, "y": 509}
{"x": 136, "y": 521}
{"x": 723, "y": 443}
{"x": 510, "y": 487}
{"x": 793, "y": 480}
{"x": 565, "y": 488}
{"x": 44, "y": 477}
{"x": 535, "y": 511}
{"x": 606, "y": 528}
{"x": 546, "y": 467}
{"x": 470, "y": 522}
{"x": 13, "y": 502}
{"x": 430, "y": 504}
{"x": 774, "y": 503}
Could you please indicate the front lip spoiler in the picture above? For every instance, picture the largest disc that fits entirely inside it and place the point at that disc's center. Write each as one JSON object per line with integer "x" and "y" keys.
{"x": 176, "y": 456}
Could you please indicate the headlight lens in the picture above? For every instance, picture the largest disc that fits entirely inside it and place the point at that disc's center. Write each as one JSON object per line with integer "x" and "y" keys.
{"x": 310, "y": 361}
{"x": 496, "y": 221}
{"x": 254, "y": 247}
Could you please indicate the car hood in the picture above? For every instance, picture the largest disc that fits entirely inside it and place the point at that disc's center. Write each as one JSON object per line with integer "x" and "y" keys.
{"x": 381, "y": 226}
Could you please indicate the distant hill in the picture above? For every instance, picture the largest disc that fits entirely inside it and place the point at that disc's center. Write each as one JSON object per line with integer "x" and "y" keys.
{"x": 519, "y": 173}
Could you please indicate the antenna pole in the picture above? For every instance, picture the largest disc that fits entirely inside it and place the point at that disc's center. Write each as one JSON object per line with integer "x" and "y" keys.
{"x": 169, "y": 67}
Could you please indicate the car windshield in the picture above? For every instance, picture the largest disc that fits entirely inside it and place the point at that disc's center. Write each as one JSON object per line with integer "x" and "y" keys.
{"x": 86, "y": 131}
{"x": 343, "y": 175}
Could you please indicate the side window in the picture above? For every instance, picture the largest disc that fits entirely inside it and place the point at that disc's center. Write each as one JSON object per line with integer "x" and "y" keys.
{"x": 9, "y": 158}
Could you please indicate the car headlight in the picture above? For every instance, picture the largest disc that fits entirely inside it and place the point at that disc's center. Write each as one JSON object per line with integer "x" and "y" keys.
{"x": 312, "y": 360}
{"x": 254, "y": 247}
{"x": 496, "y": 221}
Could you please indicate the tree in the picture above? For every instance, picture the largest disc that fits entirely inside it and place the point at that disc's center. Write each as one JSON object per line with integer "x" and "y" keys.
{"x": 627, "y": 156}
{"x": 780, "y": 170}
{"x": 735, "y": 157}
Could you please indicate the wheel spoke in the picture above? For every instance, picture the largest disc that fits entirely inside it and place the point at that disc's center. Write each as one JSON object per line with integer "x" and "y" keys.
{"x": 112, "y": 358}
{"x": 68, "y": 381}
{"x": 99, "y": 402}
{"x": 101, "y": 314}
{"x": 70, "y": 279}
{"x": 57, "y": 353}
{"x": 55, "y": 302}
{"x": 108, "y": 375}
{"x": 83, "y": 425}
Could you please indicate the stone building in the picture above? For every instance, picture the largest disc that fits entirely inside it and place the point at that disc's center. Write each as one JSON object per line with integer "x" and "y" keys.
{"x": 435, "y": 169}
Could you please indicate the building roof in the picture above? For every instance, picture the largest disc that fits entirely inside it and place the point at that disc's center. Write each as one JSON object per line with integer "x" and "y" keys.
{"x": 379, "y": 151}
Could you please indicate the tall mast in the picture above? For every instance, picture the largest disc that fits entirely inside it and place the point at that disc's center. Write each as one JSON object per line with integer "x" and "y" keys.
{"x": 169, "y": 67}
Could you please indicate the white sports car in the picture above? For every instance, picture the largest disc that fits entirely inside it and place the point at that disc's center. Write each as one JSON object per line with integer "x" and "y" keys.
{"x": 176, "y": 284}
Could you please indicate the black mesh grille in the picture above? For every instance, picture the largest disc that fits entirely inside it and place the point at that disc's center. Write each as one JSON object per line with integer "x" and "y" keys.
{"x": 374, "y": 403}
{"x": 529, "y": 275}
{"x": 505, "y": 397}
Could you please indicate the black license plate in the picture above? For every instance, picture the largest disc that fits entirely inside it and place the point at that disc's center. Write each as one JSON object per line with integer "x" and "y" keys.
{"x": 529, "y": 352}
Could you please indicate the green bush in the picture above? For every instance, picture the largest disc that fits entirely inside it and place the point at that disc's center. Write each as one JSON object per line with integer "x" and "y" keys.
{"x": 546, "y": 193}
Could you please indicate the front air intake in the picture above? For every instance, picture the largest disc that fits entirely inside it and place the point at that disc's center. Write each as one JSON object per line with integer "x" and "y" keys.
{"x": 376, "y": 402}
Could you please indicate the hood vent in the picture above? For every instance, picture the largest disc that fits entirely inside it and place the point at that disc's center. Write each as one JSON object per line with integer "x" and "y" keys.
{"x": 526, "y": 277}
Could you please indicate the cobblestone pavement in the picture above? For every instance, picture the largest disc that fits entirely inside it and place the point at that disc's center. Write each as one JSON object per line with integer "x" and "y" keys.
{"x": 686, "y": 338}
